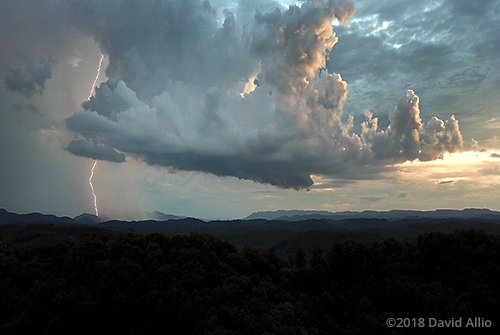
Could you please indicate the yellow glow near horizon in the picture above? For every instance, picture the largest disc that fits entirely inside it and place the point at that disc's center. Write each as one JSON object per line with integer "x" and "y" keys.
{"x": 478, "y": 167}
{"x": 459, "y": 180}
{"x": 459, "y": 159}
{"x": 481, "y": 168}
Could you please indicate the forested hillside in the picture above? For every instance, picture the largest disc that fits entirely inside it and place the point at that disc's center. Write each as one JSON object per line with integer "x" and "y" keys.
{"x": 198, "y": 284}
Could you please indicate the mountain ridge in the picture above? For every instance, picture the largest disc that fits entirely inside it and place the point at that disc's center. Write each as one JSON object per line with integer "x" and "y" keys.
{"x": 286, "y": 235}
{"x": 278, "y": 215}
{"x": 395, "y": 214}
{"x": 10, "y": 217}
{"x": 88, "y": 218}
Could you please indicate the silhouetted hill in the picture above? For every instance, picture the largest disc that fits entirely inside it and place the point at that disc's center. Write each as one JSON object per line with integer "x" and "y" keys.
{"x": 299, "y": 215}
{"x": 88, "y": 218}
{"x": 8, "y": 217}
{"x": 283, "y": 214}
{"x": 159, "y": 216}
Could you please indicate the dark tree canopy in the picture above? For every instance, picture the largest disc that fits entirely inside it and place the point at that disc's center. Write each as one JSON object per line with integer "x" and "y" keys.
{"x": 198, "y": 284}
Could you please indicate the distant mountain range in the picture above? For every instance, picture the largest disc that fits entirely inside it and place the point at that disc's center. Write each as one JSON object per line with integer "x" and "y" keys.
{"x": 286, "y": 231}
{"x": 279, "y": 215}
{"x": 300, "y": 215}
{"x": 84, "y": 218}
{"x": 159, "y": 216}
{"x": 8, "y": 217}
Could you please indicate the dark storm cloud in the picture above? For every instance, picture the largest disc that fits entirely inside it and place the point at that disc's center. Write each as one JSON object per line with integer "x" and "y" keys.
{"x": 104, "y": 101}
{"x": 181, "y": 94}
{"x": 147, "y": 42}
{"x": 31, "y": 79}
{"x": 87, "y": 149}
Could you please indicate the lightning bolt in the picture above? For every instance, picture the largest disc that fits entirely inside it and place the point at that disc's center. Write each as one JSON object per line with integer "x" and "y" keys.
{"x": 92, "y": 188}
{"x": 92, "y": 89}
{"x": 95, "y": 162}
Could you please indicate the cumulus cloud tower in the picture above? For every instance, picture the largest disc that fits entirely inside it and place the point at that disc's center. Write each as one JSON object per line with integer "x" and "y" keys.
{"x": 178, "y": 95}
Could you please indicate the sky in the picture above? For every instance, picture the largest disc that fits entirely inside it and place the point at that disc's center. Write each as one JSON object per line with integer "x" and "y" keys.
{"x": 217, "y": 109}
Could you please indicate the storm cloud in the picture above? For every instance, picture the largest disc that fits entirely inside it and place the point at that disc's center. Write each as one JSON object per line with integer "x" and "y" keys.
{"x": 100, "y": 152}
{"x": 31, "y": 79}
{"x": 191, "y": 92}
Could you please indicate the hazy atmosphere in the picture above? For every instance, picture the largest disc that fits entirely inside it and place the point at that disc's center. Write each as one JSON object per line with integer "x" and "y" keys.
{"x": 218, "y": 109}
